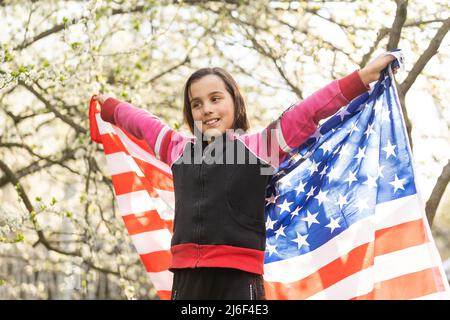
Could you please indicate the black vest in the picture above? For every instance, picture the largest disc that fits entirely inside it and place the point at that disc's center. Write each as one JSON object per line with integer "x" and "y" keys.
{"x": 220, "y": 195}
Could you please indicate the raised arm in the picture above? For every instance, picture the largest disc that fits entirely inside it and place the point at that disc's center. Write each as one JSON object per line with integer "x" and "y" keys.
{"x": 165, "y": 142}
{"x": 299, "y": 122}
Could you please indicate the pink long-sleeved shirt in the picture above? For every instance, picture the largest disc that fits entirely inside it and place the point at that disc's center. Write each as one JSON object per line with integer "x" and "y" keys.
{"x": 271, "y": 144}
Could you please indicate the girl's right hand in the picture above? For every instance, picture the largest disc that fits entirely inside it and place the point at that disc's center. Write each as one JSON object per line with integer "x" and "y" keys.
{"x": 101, "y": 97}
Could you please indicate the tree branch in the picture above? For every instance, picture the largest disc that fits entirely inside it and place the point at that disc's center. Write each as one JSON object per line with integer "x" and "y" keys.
{"x": 381, "y": 34}
{"x": 429, "y": 52}
{"x": 41, "y": 237}
{"x": 399, "y": 21}
{"x": 49, "y": 106}
{"x": 437, "y": 193}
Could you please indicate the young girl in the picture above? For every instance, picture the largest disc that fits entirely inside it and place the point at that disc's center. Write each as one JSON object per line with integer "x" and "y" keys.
{"x": 220, "y": 174}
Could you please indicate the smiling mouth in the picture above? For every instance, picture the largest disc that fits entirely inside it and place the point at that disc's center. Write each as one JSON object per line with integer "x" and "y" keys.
{"x": 211, "y": 121}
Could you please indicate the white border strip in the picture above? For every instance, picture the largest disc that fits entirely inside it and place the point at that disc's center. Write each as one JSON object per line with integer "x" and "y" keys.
{"x": 282, "y": 142}
{"x": 159, "y": 139}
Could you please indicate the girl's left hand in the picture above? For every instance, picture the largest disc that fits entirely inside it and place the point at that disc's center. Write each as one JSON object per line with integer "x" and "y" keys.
{"x": 371, "y": 72}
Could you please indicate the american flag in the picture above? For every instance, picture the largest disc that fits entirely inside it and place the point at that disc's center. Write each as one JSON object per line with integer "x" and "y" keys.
{"x": 344, "y": 218}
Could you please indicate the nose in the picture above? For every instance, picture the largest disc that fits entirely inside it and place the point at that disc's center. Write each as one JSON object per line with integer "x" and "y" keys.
{"x": 207, "y": 109}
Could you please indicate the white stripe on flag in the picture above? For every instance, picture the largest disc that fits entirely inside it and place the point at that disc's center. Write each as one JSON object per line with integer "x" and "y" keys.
{"x": 409, "y": 260}
{"x": 103, "y": 126}
{"x": 161, "y": 280}
{"x": 387, "y": 213}
{"x": 385, "y": 267}
{"x": 443, "y": 295}
{"x": 167, "y": 196}
{"x": 134, "y": 202}
{"x": 152, "y": 241}
{"x": 140, "y": 201}
{"x": 120, "y": 162}
{"x": 362, "y": 232}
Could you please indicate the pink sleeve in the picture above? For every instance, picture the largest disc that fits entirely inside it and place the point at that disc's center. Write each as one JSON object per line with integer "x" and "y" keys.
{"x": 165, "y": 142}
{"x": 300, "y": 121}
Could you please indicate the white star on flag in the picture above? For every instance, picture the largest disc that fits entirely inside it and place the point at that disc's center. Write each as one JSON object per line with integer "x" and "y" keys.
{"x": 295, "y": 212}
{"x": 351, "y": 178}
{"x": 370, "y": 130}
{"x": 270, "y": 223}
{"x": 342, "y": 201}
{"x": 361, "y": 154}
{"x": 310, "y": 218}
{"x": 310, "y": 193}
{"x": 389, "y": 149}
{"x": 371, "y": 181}
{"x": 397, "y": 183}
{"x": 342, "y": 113}
{"x": 271, "y": 248}
{"x": 354, "y": 128}
{"x": 313, "y": 167}
{"x": 280, "y": 231}
{"x": 334, "y": 224}
{"x": 324, "y": 171}
{"x": 301, "y": 240}
{"x": 285, "y": 206}
{"x": 272, "y": 199}
{"x": 300, "y": 187}
{"x": 321, "y": 196}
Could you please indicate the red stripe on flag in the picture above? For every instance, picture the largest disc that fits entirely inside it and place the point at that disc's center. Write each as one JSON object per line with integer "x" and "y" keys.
{"x": 401, "y": 236}
{"x": 405, "y": 286}
{"x": 112, "y": 144}
{"x": 143, "y": 222}
{"x": 151, "y": 173}
{"x": 129, "y": 182}
{"x": 164, "y": 295}
{"x": 93, "y": 127}
{"x": 390, "y": 239}
{"x": 157, "y": 261}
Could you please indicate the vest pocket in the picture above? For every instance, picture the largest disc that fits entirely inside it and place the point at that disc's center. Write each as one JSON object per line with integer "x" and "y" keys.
{"x": 244, "y": 189}
{"x": 244, "y": 219}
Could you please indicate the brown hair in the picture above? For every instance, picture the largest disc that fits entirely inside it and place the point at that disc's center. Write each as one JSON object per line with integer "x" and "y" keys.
{"x": 240, "y": 114}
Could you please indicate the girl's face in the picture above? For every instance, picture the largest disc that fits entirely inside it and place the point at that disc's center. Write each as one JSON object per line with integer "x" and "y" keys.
{"x": 212, "y": 105}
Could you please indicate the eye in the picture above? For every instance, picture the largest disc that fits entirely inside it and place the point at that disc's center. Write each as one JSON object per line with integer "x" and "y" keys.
{"x": 214, "y": 99}
{"x": 195, "y": 105}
